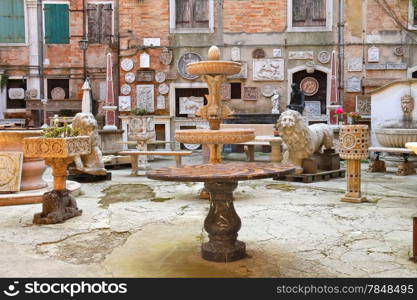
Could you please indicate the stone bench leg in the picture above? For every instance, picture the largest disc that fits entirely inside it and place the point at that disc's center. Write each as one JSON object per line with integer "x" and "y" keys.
{"x": 377, "y": 165}
{"x": 178, "y": 161}
{"x": 134, "y": 163}
{"x": 250, "y": 152}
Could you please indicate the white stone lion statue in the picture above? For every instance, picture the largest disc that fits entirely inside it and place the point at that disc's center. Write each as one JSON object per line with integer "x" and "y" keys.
{"x": 302, "y": 140}
{"x": 91, "y": 163}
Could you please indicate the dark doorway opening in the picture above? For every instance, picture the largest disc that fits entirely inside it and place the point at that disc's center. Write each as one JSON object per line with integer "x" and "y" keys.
{"x": 321, "y": 94}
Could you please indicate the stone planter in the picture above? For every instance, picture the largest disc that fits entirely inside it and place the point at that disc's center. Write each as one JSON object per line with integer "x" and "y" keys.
{"x": 33, "y": 167}
{"x": 58, "y": 205}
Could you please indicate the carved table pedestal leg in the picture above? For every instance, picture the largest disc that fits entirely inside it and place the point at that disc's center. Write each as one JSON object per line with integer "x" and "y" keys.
{"x": 222, "y": 224}
{"x": 57, "y": 205}
{"x": 353, "y": 194}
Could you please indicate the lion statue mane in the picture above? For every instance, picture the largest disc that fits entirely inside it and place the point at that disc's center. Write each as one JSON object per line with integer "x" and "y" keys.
{"x": 91, "y": 163}
{"x": 302, "y": 140}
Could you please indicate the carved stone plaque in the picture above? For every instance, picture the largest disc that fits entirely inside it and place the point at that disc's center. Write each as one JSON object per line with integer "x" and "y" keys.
{"x": 190, "y": 105}
{"x": 277, "y": 52}
{"x": 160, "y": 77}
{"x": 301, "y": 55}
{"x": 32, "y": 94}
{"x": 268, "y": 69}
{"x": 363, "y": 105}
{"x": 250, "y": 93}
{"x": 312, "y": 108}
{"x": 146, "y": 76}
{"x": 144, "y": 60}
{"x": 163, "y": 89}
{"x": 268, "y": 90}
{"x": 226, "y": 91}
{"x": 130, "y": 77}
{"x": 10, "y": 171}
{"x": 166, "y": 56}
{"x": 324, "y": 57}
{"x": 160, "y": 102}
{"x": 183, "y": 61}
{"x": 309, "y": 85}
{"x": 373, "y": 54}
{"x": 235, "y": 54}
{"x": 125, "y": 103}
{"x": 16, "y": 93}
{"x": 353, "y": 84}
{"x": 258, "y": 53}
{"x": 172, "y": 75}
{"x": 355, "y": 64}
{"x": 145, "y": 97}
{"x": 152, "y": 42}
{"x": 243, "y": 72}
{"x": 399, "y": 51}
{"x": 58, "y": 93}
{"x": 125, "y": 89}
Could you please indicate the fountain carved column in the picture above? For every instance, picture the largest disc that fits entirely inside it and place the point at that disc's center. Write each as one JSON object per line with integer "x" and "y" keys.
{"x": 354, "y": 147}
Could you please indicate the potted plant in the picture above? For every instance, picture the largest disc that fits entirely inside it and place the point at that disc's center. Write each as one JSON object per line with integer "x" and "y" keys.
{"x": 351, "y": 117}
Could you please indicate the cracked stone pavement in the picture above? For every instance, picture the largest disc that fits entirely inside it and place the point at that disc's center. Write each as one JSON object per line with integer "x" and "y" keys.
{"x": 292, "y": 230}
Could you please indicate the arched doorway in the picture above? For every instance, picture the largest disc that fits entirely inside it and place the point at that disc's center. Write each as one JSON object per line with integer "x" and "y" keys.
{"x": 322, "y": 75}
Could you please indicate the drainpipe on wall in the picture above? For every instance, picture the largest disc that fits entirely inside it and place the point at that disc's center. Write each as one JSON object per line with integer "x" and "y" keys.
{"x": 341, "y": 50}
{"x": 41, "y": 56}
{"x": 220, "y": 23}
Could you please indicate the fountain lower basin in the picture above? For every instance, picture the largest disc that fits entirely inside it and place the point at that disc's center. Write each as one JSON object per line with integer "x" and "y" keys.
{"x": 396, "y": 137}
{"x": 217, "y": 67}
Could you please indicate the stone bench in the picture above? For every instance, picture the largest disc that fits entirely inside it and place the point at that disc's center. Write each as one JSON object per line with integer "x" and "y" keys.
{"x": 404, "y": 168}
{"x": 263, "y": 137}
{"x": 135, "y": 153}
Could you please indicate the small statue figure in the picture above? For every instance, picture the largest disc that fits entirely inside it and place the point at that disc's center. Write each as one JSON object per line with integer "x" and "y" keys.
{"x": 275, "y": 102}
{"x": 297, "y": 99}
{"x": 90, "y": 163}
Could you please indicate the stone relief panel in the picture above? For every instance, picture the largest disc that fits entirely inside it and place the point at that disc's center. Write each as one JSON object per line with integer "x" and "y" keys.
{"x": 16, "y": 93}
{"x": 10, "y": 171}
{"x": 166, "y": 56}
{"x": 355, "y": 64}
{"x": 301, "y": 55}
{"x": 324, "y": 57}
{"x": 235, "y": 54}
{"x": 226, "y": 91}
{"x": 190, "y": 105}
{"x": 277, "y": 52}
{"x": 184, "y": 61}
{"x": 145, "y": 97}
{"x": 160, "y": 102}
{"x": 268, "y": 69}
{"x": 125, "y": 103}
{"x": 144, "y": 60}
{"x": 250, "y": 93}
{"x": 353, "y": 84}
{"x": 363, "y": 105}
{"x": 146, "y": 76}
{"x": 373, "y": 54}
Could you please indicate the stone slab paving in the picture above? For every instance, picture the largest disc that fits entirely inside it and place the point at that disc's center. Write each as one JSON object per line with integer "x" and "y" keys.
{"x": 291, "y": 230}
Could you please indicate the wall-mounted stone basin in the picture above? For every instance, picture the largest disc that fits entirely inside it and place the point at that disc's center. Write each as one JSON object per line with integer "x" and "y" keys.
{"x": 396, "y": 137}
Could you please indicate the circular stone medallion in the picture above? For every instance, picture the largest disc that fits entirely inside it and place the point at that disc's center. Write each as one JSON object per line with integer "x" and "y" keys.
{"x": 163, "y": 89}
{"x": 348, "y": 141}
{"x": 324, "y": 57}
{"x": 309, "y": 86}
{"x": 125, "y": 89}
{"x": 160, "y": 77}
{"x": 268, "y": 90}
{"x": 127, "y": 64}
{"x": 130, "y": 77}
{"x": 184, "y": 61}
{"x": 58, "y": 93}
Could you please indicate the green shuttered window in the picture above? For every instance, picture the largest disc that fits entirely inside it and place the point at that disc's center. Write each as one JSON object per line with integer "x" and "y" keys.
{"x": 12, "y": 21}
{"x": 56, "y": 24}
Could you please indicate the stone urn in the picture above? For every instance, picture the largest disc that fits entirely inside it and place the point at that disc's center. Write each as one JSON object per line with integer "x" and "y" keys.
{"x": 57, "y": 205}
{"x": 354, "y": 144}
{"x": 34, "y": 166}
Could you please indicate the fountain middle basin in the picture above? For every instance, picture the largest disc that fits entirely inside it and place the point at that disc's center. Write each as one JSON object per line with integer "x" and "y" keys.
{"x": 396, "y": 137}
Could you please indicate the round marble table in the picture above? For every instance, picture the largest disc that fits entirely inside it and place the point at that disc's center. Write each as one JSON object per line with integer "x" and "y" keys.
{"x": 222, "y": 222}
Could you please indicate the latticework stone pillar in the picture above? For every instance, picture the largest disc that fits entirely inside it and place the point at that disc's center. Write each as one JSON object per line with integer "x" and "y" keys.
{"x": 354, "y": 147}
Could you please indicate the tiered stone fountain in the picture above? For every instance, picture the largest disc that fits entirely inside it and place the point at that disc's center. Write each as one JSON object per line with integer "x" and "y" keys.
{"x": 214, "y": 72}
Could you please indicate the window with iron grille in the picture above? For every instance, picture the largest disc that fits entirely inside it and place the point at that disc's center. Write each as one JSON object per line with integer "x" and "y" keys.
{"x": 308, "y": 13}
{"x": 12, "y": 21}
{"x": 100, "y": 23}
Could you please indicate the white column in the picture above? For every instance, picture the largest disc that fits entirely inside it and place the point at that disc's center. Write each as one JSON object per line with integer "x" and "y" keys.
{"x": 33, "y": 81}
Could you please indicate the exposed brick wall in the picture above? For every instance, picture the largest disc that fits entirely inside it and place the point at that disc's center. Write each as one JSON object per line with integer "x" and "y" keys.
{"x": 254, "y": 16}
{"x": 378, "y": 20}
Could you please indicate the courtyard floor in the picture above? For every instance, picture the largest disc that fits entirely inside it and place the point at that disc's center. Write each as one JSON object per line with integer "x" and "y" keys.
{"x": 136, "y": 227}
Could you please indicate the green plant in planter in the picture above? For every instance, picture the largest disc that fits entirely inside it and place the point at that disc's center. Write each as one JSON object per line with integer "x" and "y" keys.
{"x": 60, "y": 132}
{"x": 139, "y": 111}
{"x": 3, "y": 80}
{"x": 414, "y": 3}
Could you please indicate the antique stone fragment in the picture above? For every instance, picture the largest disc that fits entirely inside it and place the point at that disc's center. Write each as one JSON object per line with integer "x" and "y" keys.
{"x": 235, "y": 54}
{"x": 353, "y": 84}
{"x": 130, "y": 77}
{"x": 268, "y": 69}
{"x": 144, "y": 60}
{"x": 125, "y": 89}
{"x": 165, "y": 57}
{"x": 277, "y": 52}
{"x": 301, "y": 55}
{"x": 163, "y": 89}
{"x": 183, "y": 61}
{"x": 58, "y": 93}
{"x": 313, "y": 108}
{"x": 10, "y": 171}
{"x": 258, "y": 53}
{"x": 324, "y": 57}
{"x": 363, "y": 105}
{"x": 125, "y": 103}
{"x": 16, "y": 93}
{"x": 226, "y": 91}
{"x": 145, "y": 96}
{"x": 250, "y": 93}
{"x": 190, "y": 105}
{"x": 151, "y": 42}
{"x": 160, "y": 102}
{"x": 145, "y": 76}
{"x": 309, "y": 85}
{"x": 355, "y": 64}
{"x": 160, "y": 77}
{"x": 373, "y": 54}
{"x": 126, "y": 64}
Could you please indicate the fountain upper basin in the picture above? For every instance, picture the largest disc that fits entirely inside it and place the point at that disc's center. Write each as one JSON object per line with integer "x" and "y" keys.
{"x": 222, "y": 136}
{"x": 214, "y": 67}
{"x": 396, "y": 137}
